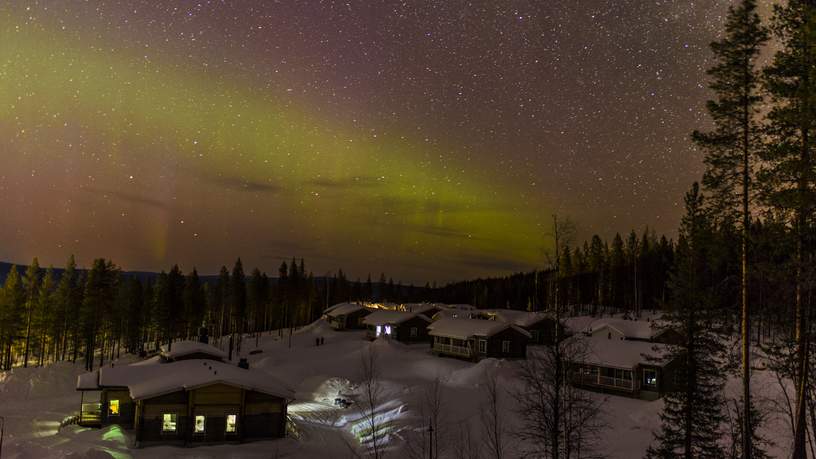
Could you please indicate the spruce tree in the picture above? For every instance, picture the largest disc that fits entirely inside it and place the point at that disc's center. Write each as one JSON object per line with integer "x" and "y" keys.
{"x": 12, "y": 309}
{"x": 693, "y": 415}
{"x": 789, "y": 181}
{"x": 731, "y": 150}
{"x": 31, "y": 283}
{"x": 194, "y": 303}
{"x": 43, "y": 313}
{"x": 69, "y": 299}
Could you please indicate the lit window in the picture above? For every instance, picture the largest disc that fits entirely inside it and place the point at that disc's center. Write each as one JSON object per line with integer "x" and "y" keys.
{"x": 232, "y": 423}
{"x": 505, "y": 346}
{"x": 113, "y": 408}
{"x": 168, "y": 422}
{"x": 198, "y": 427}
{"x": 379, "y": 330}
{"x": 649, "y": 377}
{"x": 388, "y": 330}
{"x": 482, "y": 346}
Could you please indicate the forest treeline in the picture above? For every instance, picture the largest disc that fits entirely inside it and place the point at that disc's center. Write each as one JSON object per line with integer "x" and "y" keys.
{"x": 98, "y": 312}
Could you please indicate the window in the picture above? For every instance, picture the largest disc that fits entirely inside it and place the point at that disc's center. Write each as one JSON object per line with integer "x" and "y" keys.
{"x": 388, "y": 330}
{"x": 623, "y": 374}
{"x": 534, "y": 334}
{"x": 379, "y": 330}
{"x": 505, "y": 346}
{"x": 198, "y": 427}
{"x": 113, "y": 408}
{"x": 482, "y": 346}
{"x": 168, "y": 422}
{"x": 650, "y": 377}
{"x": 414, "y": 332}
{"x": 232, "y": 423}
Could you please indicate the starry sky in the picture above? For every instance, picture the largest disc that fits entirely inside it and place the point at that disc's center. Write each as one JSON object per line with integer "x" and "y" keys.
{"x": 431, "y": 140}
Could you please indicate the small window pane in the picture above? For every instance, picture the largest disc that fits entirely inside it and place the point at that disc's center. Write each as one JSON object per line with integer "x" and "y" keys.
{"x": 232, "y": 423}
{"x": 199, "y": 424}
{"x": 505, "y": 346}
{"x": 113, "y": 408}
{"x": 168, "y": 422}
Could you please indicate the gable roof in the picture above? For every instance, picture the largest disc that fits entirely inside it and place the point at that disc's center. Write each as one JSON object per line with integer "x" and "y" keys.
{"x": 391, "y": 317}
{"x": 343, "y": 309}
{"x": 183, "y": 348}
{"x": 421, "y": 307}
{"x": 465, "y": 328}
{"x": 151, "y": 379}
{"x": 618, "y": 353}
{"x": 638, "y": 329}
{"x": 520, "y": 318}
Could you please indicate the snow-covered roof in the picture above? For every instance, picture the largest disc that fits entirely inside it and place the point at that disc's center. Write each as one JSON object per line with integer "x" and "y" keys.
{"x": 343, "y": 309}
{"x": 622, "y": 353}
{"x": 461, "y": 307}
{"x": 520, "y": 318}
{"x": 421, "y": 307}
{"x": 182, "y": 348}
{"x": 465, "y": 328}
{"x": 146, "y": 380}
{"x": 88, "y": 381}
{"x": 391, "y": 317}
{"x": 638, "y": 329}
{"x": 578, "y": 324}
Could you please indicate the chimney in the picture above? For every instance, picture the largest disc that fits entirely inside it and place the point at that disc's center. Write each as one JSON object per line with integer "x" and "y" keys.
{"x": 243, "y": 363}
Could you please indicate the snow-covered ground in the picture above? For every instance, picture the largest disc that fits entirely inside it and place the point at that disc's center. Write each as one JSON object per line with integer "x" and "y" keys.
{"x": 34, "y": 401}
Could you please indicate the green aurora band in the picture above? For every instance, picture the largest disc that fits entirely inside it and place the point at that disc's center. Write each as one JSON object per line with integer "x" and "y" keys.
{"x": 339, "y": 188}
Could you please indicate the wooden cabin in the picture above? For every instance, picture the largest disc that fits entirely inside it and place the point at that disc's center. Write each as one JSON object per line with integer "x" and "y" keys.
{"x": 186, "y": 402}
{"x": 475, "y": 339}
{"x": 407, "y": 327}
{"x": 623, "y": 367}
{"x": 189, "y": 350}
{"x": 426, "y": 309}
{"x": 347, "y": 316}
{"x": 653, "y": 331}
{"x": 540, "y": 325}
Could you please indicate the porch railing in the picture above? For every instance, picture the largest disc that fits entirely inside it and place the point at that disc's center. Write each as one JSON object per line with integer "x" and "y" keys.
{"x": 605, "y": 381}
{"x": 90, "y": 413}
{"x": 452, "y": 349}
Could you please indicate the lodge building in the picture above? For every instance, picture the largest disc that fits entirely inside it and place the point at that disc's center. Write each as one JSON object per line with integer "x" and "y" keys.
{"x": 185, "y": 396}
{"x": 407, "y": 327}
{"x": 475, "y": 339}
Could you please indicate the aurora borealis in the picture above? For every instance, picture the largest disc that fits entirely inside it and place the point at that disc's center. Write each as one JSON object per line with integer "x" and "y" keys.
{"x": 429, "y": 140}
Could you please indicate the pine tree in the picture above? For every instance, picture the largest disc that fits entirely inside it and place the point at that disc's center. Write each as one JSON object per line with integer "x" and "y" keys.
{"x": 97, "y": 301}
{"x": 238, "y": 302}
{"x": 789, "y": 181}
{"x": 693, "y": 415}
{"x": 69, "y": 299}
{"x": 12, "y": 311}
{"x": 31, "y": 284}
{"x": 222, "y": 296}
{"x": 194, "y": 303}
{"x": 731, "y": 150}
{"x": 43, "y": 313}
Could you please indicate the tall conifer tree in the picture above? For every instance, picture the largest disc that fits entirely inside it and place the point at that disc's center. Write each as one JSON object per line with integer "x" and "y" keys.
{"x": 791, "y": 176}
{"x": 731, "y": 149}
{"x": 693, "y": 415}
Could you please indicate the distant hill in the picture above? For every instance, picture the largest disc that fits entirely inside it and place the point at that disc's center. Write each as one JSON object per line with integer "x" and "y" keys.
{"x": 141, "y": 275}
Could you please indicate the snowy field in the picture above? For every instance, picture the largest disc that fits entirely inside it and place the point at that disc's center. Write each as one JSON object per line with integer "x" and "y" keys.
{"x": 34, "y": 401}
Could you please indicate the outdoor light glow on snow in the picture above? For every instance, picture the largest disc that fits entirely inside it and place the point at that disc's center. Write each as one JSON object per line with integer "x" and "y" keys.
{"x": 364, "y": 136}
